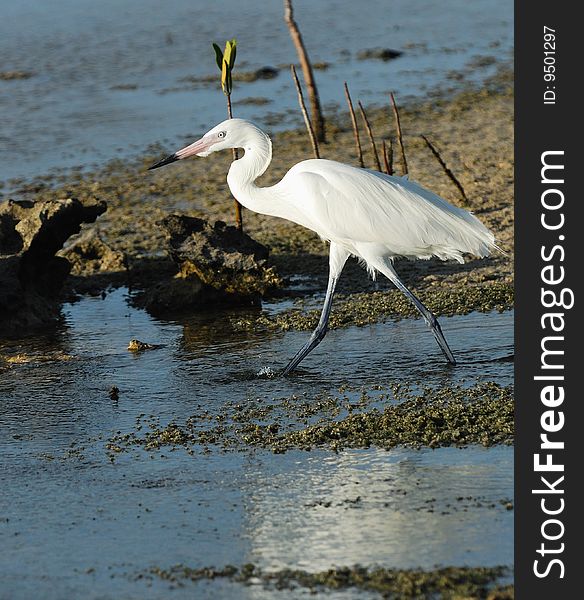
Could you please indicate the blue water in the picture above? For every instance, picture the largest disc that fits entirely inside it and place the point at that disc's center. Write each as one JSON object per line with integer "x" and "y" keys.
{"x": 75, "y": 525}
{"x": 71, "y": 111}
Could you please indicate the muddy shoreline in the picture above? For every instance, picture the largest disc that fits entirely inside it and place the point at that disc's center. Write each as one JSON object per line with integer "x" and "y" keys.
{"x": 447, "y": 583}
{"x": 473, "y": 130}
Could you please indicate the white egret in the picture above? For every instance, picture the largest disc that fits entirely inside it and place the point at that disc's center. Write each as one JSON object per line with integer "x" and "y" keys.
{"x": 364, "y": 213}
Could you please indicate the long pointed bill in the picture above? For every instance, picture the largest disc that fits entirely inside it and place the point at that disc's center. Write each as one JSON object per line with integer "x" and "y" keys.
{"x": 199, "y": 147}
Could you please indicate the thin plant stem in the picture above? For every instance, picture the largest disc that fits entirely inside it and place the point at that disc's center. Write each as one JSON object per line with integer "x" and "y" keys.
{"x": 306, "y": 67}
{"x": 371, "y": 138}
{"x": 238, "y": 211}
{"x": 355, "y": 127}
{"x": 400, "y": 138}
{"x": 444, "y": 166}
{"x": 313, "y": 139}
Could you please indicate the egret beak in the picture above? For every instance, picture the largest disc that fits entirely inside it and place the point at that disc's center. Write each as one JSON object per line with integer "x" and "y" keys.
{"x": 199, "y": 147}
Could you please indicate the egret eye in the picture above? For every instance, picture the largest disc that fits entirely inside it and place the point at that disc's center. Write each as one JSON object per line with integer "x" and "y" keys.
{"x": 221, "y": 134}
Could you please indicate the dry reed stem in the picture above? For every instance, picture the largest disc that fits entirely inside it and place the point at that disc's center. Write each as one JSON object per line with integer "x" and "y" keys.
{"x": 371, "y": 139}
{"x": 388, "y": 157}
{"x": 444, "y": 166}
{"x": 313, "y": 140}
{"x": 355, "y": 127}
{"x": 399, "y": 134}
{"x": 306, "y": 67}
{"x": 238, "y": 209}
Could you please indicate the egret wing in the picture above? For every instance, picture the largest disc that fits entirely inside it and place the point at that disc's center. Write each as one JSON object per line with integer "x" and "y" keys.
{"x": 347, "y": 203}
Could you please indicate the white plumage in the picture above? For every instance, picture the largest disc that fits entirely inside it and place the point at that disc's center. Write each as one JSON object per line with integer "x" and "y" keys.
{"x": 354, "y": 206}
{"x": 371, "y": 215}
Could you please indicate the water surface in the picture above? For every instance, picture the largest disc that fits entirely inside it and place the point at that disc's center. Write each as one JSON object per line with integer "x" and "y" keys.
{"x": 108, "y": 77}
{"x": 76, "y": 525}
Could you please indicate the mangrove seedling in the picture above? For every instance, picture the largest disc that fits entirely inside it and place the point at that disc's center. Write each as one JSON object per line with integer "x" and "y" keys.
{"x": 226, "y": 62}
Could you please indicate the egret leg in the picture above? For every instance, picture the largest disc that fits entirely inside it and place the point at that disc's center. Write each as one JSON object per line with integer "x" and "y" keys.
{"x": 430, "y": 319}
{"x": 338, "y": 257}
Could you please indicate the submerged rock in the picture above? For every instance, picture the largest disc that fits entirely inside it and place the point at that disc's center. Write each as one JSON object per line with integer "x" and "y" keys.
{"x": 262, "y": 73}
{"x": 379, "y": 54}
{"x": 138, "y": 346}
{"x": 216, "y": 262}
{"x": 31, "y": 275}
{"x": 11, "y": 75}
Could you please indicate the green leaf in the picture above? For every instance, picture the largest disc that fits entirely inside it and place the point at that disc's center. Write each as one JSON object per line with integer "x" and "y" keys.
{"x": 218, "y": 56}
{"x": 227, "y": 54}
{"x": 225, "y": 77}
{"x": 233, "y": 53}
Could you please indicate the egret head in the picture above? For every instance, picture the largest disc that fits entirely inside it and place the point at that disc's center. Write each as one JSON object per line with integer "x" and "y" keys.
{"x": 232, "y": 133}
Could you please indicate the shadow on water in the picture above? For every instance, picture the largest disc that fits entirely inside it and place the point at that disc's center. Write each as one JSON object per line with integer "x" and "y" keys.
{"x": 70, "y": 520}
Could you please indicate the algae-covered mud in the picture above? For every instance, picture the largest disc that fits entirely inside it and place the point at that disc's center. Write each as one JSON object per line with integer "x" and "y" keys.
{"x": 459, "y": 416}
{"x": 446, "y": 583}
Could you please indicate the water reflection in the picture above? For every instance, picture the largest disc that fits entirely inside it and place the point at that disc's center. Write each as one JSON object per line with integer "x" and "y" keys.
{"x": 398, "y": 508}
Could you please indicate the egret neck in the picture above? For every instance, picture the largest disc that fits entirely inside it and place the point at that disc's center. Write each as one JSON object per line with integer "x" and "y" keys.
{"x": 244, "y": 171}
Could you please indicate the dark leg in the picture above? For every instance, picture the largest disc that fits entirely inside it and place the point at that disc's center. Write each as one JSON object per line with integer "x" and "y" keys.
{"x": 430, "y": 319}
{"x": 337, "y": 262}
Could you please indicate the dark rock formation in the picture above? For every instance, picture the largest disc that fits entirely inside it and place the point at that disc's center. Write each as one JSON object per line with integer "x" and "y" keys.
{"x": 262, "y": 73}
{"x": 31, "y": 276}
{"x": 217, "y": 264}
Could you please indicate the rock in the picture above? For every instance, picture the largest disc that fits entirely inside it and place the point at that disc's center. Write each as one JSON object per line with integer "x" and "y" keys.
{"x": 220, "y": 255}
{"x": 175, "y": 295}
{"x": 89, "y": 255}
{"x": 261, "y": 73}
{"x": 31, "y": 276}
{"x": 217, "y": 264}
{"x": 379, "y": 53}
{"x": 10, "y": 75}
{"x": 138, "y": 346}
{"x": 266, "y": 73}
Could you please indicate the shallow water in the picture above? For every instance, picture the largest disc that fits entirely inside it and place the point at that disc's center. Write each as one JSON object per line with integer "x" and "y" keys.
{"x": 75, "y": 525}
{"x": 73, "y": 111}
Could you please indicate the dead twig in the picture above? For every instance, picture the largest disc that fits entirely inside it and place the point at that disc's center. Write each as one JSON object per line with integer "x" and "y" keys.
{"x": 355, "y": 127}
{"x": 399, "y": 134}
{"x": 313, "y": 140}
{"x": 388, "y": 156}
{"x": 306, "y": 67}
{"x": 444, "y": 166}
{"x": 371, "y": 139}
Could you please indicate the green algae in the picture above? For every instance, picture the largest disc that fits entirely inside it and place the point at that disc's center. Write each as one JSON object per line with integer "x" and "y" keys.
{"x": 448, "y": 417}
{"x": 366, "y": 308}
{"x": 448, "y": 583}
{"x": 432, "y": 417}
